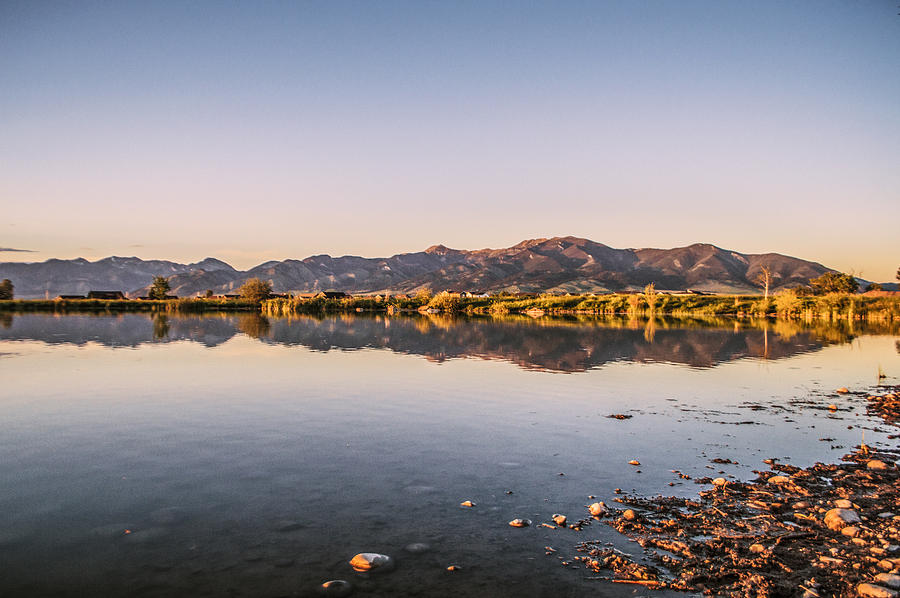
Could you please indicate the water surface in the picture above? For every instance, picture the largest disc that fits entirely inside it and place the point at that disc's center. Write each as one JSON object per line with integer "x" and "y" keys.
{"x": 249, "y": 456}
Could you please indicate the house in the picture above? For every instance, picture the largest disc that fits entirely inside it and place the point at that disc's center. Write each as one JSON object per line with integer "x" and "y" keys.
{"x": 107, "y": 295}
{"x": 279, "y": 296}
{"x": 331, "y": 295}
{"x": 71, "y": 297}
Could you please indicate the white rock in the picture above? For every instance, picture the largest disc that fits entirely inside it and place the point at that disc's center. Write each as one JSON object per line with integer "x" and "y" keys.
{"x": 371, "y": 561}
{"x": 839, "y": 518}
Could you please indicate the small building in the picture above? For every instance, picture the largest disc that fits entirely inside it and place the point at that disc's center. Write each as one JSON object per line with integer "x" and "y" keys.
{"x": 68, "y": 297}
{"x": 107, "y": 295}
{"x": 331, "y": 295}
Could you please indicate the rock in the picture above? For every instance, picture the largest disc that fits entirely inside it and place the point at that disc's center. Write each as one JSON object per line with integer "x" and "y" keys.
{"x": 779, "y": 479}
{"x": 336, "y": 587}
{"x": 800, "y": 505}
{"x": 287, "y": 525}
{"x": 467, "y": 503}
{"x": 832, "y": 407}
{"x": 890, "y": 580}
{"x": 885, "y": 564}
{"x": 371, "y": 561}
{"x": 877, "y": 465}
{"x": 842, "y": 390}
{"x": 869, "y": 590}
{"x": 757, "y": 548}
{"x": 112, "y": 530}
{"x": 850, "y": 530}
{"x": 454, "y": 568}
{"x": 629, "y": 514}
{"x": 836, "y": 519}
{"x": 559, "y": 520}
{"x": 843, "y": 503}
{"x": 417, "y": 547}
{"x": 520, "y": 522}
{"x": 598, "y": 509}
{"x": 719, "y": 482}
{"x": 634, "y": 462}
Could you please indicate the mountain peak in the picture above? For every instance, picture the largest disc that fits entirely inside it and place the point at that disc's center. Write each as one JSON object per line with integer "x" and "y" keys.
{"x": 439, "y": 250}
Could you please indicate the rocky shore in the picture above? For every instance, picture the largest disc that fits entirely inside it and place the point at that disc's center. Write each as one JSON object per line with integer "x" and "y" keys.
{"x": 826, "y": 530}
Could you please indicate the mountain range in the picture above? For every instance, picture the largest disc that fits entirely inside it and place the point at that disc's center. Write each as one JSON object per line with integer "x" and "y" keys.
{"x": 558, "y": 264}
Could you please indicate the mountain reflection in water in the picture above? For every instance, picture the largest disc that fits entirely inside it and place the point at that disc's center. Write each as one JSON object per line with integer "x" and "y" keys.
{"x": 551, "y": 344}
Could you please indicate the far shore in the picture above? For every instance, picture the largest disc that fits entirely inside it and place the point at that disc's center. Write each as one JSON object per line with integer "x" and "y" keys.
{"x": 788, "y": 305}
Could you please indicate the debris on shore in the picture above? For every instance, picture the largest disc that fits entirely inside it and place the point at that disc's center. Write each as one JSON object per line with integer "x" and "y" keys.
{"x": 827, "y": 530}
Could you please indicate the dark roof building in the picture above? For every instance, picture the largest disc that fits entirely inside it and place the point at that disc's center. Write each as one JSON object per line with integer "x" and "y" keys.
{"x": 106, "y": 295}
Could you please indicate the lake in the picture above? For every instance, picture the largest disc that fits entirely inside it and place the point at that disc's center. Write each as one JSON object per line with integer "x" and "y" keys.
{"x": 236, "y": 455}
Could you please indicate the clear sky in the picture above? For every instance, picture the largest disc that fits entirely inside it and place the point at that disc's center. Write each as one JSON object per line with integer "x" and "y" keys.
{"x": 252, "y": 131}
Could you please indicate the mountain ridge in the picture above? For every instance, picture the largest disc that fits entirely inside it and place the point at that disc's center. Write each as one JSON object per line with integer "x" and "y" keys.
{"x": 554, "y": 264}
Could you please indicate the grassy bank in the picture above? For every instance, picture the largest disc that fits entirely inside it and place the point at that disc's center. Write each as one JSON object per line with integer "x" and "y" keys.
{"x": 833, "y": 306}
{"x": 100, "y": 305}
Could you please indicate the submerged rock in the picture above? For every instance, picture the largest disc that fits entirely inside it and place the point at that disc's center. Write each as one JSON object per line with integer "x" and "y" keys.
{"x": 336, "y": 587}
{"x": 371, "y": 561}
{"x": 417, "y": 547}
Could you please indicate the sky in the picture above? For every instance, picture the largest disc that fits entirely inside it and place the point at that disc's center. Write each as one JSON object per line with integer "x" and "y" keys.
{"x": 252, "y": 131}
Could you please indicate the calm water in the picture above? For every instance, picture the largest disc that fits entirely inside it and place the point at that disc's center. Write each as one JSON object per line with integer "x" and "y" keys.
{"x": 253, "y": 457}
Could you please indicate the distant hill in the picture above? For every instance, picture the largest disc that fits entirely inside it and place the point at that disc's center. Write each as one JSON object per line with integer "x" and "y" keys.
{"x": 559, "y": 264}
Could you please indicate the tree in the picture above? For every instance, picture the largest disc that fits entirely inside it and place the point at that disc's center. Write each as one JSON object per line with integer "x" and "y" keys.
{"x": 873, "y": 286}
{"x": 160, "y": 287}
{"x": 765, "y": 278}
{"x": 255, "y": 290}
{"x": 209, "y": 293}
{"x": 834, "y": 282}
{"x": 650, "y": 297}
{"x": 898, "y": 274}
{"x": 6, "y": 289}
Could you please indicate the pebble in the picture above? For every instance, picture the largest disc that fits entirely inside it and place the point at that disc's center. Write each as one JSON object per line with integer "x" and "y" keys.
{"x": 598, "y": 509}
{"x": 454, "y": 568}
{"x": 520, "y": 522}
{"x": 336, "y": 587}
{"x": 417, "y": 547}
{"x": 850, "y": 530}
{"x": 837, "y": 519}
{"x": 634, "y": 462}
{"x": 779, "y": 479}
{"x": 842, "y": 390}
{"x": 629, "y": 514}
{"x": 559, "y": 520}
{"x": 757, "y": 548}
{"x": 876, "y": 464}
{"x": 869, "y": 590}
{"x": 890, "y": 580}
{"x": 719, "y": 482}
{"x": 112, "y": 530}
{"x": 843, "y": 503}
{"x": 467, "y": 503}
{"x": 371, "y": 561}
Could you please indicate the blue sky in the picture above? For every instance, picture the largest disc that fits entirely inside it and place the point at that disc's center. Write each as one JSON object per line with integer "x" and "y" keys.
{"x": 268, "y": 130}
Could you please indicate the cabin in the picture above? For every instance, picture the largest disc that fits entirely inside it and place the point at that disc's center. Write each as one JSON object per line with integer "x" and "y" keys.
{"x": 331, "y": 295}
{"x": 107, "y": 295}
